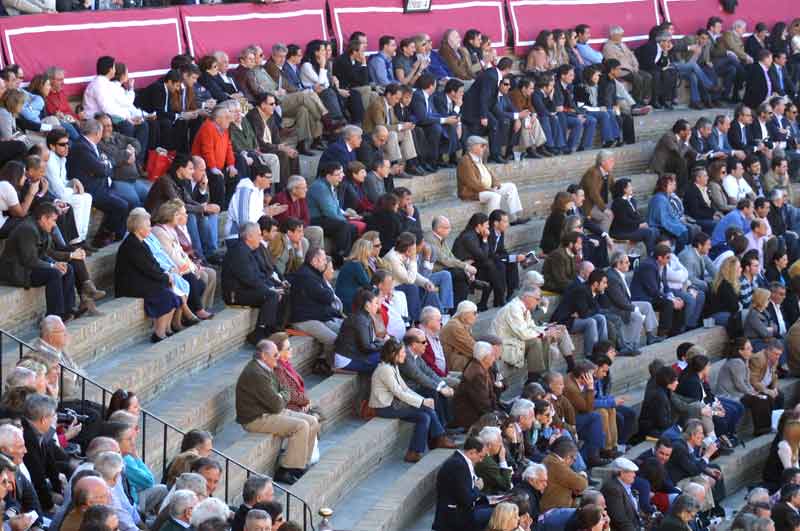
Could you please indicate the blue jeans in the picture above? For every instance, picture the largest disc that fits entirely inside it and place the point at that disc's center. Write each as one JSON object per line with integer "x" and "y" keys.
{"x": 609, "y": 126}
{"x": 552, "y": 132}
{"x": 697, "y": 79}
{"x": 444, "y": 281}
{"x": 134, "y": 192}
{"x": 721, "y": 318}
{"x": 364, "y": 366}
{"x": 590, "y": 430}
{"x": 734, "y": 410}
{"x": 426, "y": 424}
{"x": 203, "y": 231}
{"x": 571, "y": 124}
{"x": 626, "y": 423}
{"x": 59, "y": 289}
{"x": 594, "y": 329}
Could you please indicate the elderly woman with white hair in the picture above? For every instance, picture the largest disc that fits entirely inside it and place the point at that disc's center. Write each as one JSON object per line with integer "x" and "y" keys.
{"x": 525, "y": 343}
{"x": 391, "y": 397}
{"x": 140, "y": 275}
{"x": 476, "y": 394}
{"x": 456, "y": 336}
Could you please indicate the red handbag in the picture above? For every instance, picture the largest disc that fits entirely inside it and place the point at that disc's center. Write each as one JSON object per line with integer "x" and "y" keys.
{"x": 158, "y": 162}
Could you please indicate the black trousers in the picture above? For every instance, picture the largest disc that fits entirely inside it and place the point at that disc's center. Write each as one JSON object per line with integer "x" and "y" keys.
{"x": 761, "y": 411}
{"x": 59, "y": 289}
{"x": 267, "y": 301}
{"x": 196, "y": 288}
{"x": 665, "y": 83}
{"x": 342, "y": 232}
{"x": 670, "y": 321}
{"x": 496, "y": 278}
{"x": 460, "y": 285}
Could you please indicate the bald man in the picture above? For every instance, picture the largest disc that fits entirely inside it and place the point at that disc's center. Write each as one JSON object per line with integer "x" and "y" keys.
{"x": 89, "y": 491}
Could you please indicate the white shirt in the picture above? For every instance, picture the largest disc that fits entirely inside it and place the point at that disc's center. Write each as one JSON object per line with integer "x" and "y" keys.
{"x": 247, "y": 204}
{"x": 101, "y": 95}
{"x": 779, "y": 315}
{"x": 8, "y": 199}
{"x": 470, "y": 465}
{"x": 309, "y": 77}
{"x": 57, "y": 176}
{"x": 736, "y": 188}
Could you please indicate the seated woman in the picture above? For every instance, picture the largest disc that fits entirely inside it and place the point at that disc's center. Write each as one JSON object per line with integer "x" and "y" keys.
{"x": 657, "y": 415}
{"x": 34, "y": 109}
{"x": 476, "y": 394}
{"x": 628, "y": 223}
{"x": 758, "y": 327}
{"x": 662, "y": 215}
{"x": 352, "y": 193}
{"x": 171, "y": 218}
{"x": 354, "y": 273}
{"x": 123, "y": 400}
{"x": 600, "y": 105}
{"x": 554, "y": 225}
{"x": 783, "y": 453}
{"x": 717, "y": 171}
{"x": 314, "y": 73}
{"x": 390, "y": 397}
{"x": 505, "y": 517}
{"x": 392, "y": 317}
{"x": 456, "y": 336}
{"x": 357, "y": 348}
{"x": 733, "y": 381}
{"x": 138, "y": 274}
{"x": 726, "y": 413}
{"x": 723, "y": 300}
{"x": 13, "y": 207}
{"x": 288, "y": 375}
{"x": 195, "y": 444}
{"x": 386, "y": 220}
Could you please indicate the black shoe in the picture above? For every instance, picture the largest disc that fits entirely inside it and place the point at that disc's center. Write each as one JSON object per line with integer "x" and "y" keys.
{"x": 596, "y": 460}
{"x": 657, "y": 105}
{"x": 669, "y": 106}
{"x": 443, "y": 164}
{"x": 520, "y": 221}
{"x": 497, "y": 159}
{"x": 609, "y": 144}
{"x": 531, "y": 153}
{"x": 651, "y": 339}
{"x": 190, "y": 322}
{"x": 413, "y": 170}
{"x": 155, "y": 339}
{"x": 696, "y": 106}
{"x": 546, "y": 153}
{"x": 215, "y": 258}
{"x": 303, "y": 150}
{"x": 427, "y": 168}
{"x": 566, "y": 151}
{"x": 284, "y": 475}
{"x": 480, "y": 284}
{"x": 629, "y": 352}
{"x": 318, "y": 145}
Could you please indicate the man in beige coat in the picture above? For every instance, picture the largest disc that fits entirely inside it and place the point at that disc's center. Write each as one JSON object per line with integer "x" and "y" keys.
{"x": 641, "y": 80}
{"x": 400, "y": 142}
{"x": 524, "y": 342}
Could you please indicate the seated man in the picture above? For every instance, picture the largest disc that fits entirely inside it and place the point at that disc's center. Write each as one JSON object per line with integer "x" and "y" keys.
{"x": 623, "y": 505}
{"x": 507, "y": 264}
{"x": 314, "y": 307}
{"x": 477, "y": 183}
{"x": 23, "y": 496}
{"x": 267, "y": 133}
{"x": 457, "y": 340}
{"x": 597, "y": 184}
{"x": 247, "y": 280}
{"x": 43, "y": 456}
{"x": 458, "y": 492}
{"x": 580, "y": 390}
{"x": 443, "y": 259}
{"x": 580, "y": 312}
{"x": 64, "y": 188}
{"x": 581, "y": 126}
{"x": 180, "y": 510}
{"x": 526, "y": 344}
{"x": 247, "y": 202}
{"x": 213, "y": 143}
{"x": 689, "y": 462}
{"x": 110, "y": 465}
{"x": 261, "y": 407}
{"x": 425, "y": 117}
{"x": 476, "y": 394}
{"x": 421, "y": 378}
{"x": 203, "y": 228}
{"x": 123, "y": 152}
{"x": 564, "y": 485}
{"x": 89, "y": 492}
{"x": 494, "y": 470}
{"x": 654, "y": 58}
{"x": 294, "y": 197}
{"x": 399, "y": 145}
{"x": 649, "y": 285}
{"x": 472, "y": 246}
{"x": 697, "y": 202}
{"x": 673, "y": 152}
{"x": 288, "y": 250}
{"x": 560, "y": 266}
{"x": 620, "y": 420}
{"x": 325, "y": 210}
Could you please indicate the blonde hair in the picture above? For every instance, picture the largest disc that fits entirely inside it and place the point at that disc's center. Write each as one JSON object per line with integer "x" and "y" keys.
{"x": 504, "y": 518}
{"x": 279, "y": 338}
{"x": 167, "y": 211}
{"x": 791, "y": 434}
{"x": 13, "y": 100}
{"x": 361, "y": 252}
{"x": 760, "y": 299}
{"x": 36, "y": 366}
{"x": 727, "y": 271}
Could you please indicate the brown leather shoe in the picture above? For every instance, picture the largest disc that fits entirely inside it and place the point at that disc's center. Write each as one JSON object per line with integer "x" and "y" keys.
{"x": 443, "y": 442}
{"x": 412, "y": 457}
{"x": 91, "y": 291}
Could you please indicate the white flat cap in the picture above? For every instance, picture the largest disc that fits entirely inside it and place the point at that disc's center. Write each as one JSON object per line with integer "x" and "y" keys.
{"x": 624, "y": 465}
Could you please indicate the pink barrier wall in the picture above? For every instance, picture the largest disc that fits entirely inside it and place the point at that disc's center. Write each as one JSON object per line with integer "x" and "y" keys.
{"x": 143, "y": 39}
{"x": 386, "y": 17}
{"x": 231, "y": 27}
{"x": 690, "y": 15}
{"x": 529, "y": 17}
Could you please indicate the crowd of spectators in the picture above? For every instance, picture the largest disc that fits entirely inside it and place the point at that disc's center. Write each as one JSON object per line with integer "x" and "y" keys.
{"x": 342, "y": 256}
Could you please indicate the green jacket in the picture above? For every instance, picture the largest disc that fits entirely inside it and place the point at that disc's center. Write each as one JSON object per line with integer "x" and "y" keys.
{"x": 496, "y": 480}
{"x": 258, "y": 392}
{"x": 243, "y": 138}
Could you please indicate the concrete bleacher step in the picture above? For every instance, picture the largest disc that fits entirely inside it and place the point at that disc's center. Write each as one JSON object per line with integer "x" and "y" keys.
{"x": 23, "y": 307}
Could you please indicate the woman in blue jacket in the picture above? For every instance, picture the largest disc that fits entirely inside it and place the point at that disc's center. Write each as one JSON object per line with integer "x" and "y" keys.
{"x": 354, "y": 274}
{"x": 662, "y": 214}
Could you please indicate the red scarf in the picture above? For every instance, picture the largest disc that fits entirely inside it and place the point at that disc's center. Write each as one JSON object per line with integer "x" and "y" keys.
{"x": 287, "y": 366}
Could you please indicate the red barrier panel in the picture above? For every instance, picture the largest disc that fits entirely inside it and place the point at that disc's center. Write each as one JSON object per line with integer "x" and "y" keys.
{"x": 529, "y": 17}
{"x": 144, "y": 39}
{"x": 232, "y": 27}
{"x": 386, "y": 17}
{"x": 691, "y": 15}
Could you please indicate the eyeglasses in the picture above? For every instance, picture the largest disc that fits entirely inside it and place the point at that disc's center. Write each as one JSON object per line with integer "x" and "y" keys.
{"x": 505, "y": 84}
{"x": 62, "y": 144}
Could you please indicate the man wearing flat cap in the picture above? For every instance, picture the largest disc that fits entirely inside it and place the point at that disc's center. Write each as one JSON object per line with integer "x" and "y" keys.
{"x": 622, "y": 501}
{"x": 477, "y": 183}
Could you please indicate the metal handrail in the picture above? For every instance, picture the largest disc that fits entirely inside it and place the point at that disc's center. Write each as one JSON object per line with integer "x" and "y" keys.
{"x": 165, "y": 427}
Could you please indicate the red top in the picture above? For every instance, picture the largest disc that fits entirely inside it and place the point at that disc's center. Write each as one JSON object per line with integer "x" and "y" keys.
{"x": 57, "y": 102}
{"x": 288, "y": 376}
{"x": 214, "y": 146}
{"x": 297, "y": 209}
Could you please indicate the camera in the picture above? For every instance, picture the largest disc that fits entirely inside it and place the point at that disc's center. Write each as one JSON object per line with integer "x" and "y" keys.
{"x": 68, "y": 416}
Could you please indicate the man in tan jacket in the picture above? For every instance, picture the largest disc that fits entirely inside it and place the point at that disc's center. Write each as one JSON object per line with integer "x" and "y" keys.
{"x": 597, "y": 183}
{"x": 563, "y": 484}
{"x": 456, "y": 336}
{"x": 764, "y": 371}
{"x": 400, "y": 144}
{"x": 476, "y": 183}
{"x": 641, "y": 80}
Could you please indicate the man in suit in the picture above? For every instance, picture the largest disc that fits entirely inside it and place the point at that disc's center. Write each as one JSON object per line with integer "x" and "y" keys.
{"x": 740, "y": 137}
{"x": 696, "y": 261}
{"x": 786, "y": 513}
{"x": 505, "y": 262}
{"x": 597, "y": 184}
{"x": 343, "y": 151}
{"x": 689, "y": 459}
{"x": 473, "y": 245}
{"x": 697, "y": 202}
{"x": 560, "y": 266}
{"x": 459, "y": 503}
{"x": 650, "y": 285}
{"x": 257, "y": 489}
{"x": 85, "y": 163}
{"x": 462, "y": 273}
{"x": 421, "y": 378}
{"x": 267, "y": 132}
{"x": 636, "y": 315}
{"x": 654, "y": 58}
{"x": 23, "y": 495}
{"x": 448, "y": 103}
{"x": 623, "y": 505}
{"x": 581, "y": 127}
{"x": 563, "y": 484}
{"x": 673, "y": 152}
{"x": 509, "y": 122}
{"x": 764, "y": 371}
{"x": 783, "y": 313}
{"x": 479, "y": 101}
{"x": 180, "y": 511}
{"x": 399, "y": 145}
{"x": 425, "y": 116}
{"x": 782, "y": 82}
{"x": 42, "y": 455}
{"x": 580, "y": 311}
{"x": 719, "y": 138}
{"x": 701, "y": 141}
{"x": 759, "y": 83}
{"x": 261, "y": 407}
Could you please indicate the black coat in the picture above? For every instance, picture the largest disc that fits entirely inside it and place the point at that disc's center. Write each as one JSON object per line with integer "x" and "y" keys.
{"x": 656, "y": 415}
{"x": 724, "y": 299}
{"x": 551, "y": 235}
{"x": 455, "y": 496}
{"x": 756, "y": 89}
{"x": 784, "y": 517}
{"x": 470, "y": 246}
{"x": 136, "y": 273}
{"x": 84, "y": 164}
{"x": 27, "y": 248}
{"x": 576, "y": 300}
{"x": 481, "y": 96}
{"x": 244, "y": 270}
{"x": 623, "y": 514}
{"x": 240, "y": 517}
{"x": 735, "y": 137}
{"x": 684, "y": 463}
{"x": 389, "y": 225}
{"x": 219, "y": 90}
{"x": 690, "y": 386}
{"x": 350, "y": 74}
{"x": 356, "y": 339}
{"x": 311, "y": 297}
{"x": 695, "y": 206}
{"x": 626, "y": 216}
{"x": 41, "y": 460}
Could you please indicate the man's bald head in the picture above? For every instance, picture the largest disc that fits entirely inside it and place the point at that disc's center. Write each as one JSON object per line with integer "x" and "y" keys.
{"x": 585, "y": 269}
{"x": 91, "y": 491}
{"x": 98, "y": 445}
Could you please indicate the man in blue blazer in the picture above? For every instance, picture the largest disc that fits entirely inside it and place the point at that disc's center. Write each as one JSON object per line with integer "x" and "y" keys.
{"x": 429, "y": 121}
{"x": 650, "y": 285}
{"x": 459, "y": 503}
{"x": 343, "y": 151}
{"x": 478, "y": 103}
{"x": 448, "y": 103}
{"x": 509, "y": 120}
{"x": 719, "y": 138}
{"x": 94, "y": 171}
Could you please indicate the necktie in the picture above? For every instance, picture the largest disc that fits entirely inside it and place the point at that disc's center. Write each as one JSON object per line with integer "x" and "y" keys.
{"x": 780, "y": 78}
{"x": 769, "y": 82}
{"x": 664, "y": 280}
{"x": 744, "y": 135}
{"x": 702, "y": 267}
